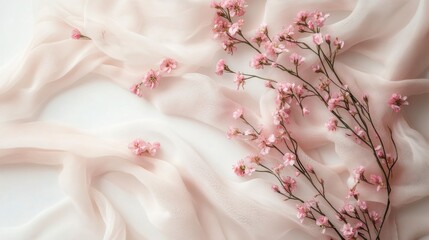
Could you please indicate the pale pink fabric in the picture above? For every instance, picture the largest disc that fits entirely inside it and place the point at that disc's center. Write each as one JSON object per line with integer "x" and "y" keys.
{"x": 188, "y": 191}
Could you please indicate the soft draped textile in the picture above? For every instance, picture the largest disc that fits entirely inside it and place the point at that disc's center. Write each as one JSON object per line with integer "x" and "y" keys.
{"x": 67, "y": 117}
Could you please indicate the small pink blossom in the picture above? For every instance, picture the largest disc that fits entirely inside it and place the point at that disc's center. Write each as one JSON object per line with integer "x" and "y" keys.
{"x": 359, "y": 135}
{"x": 374, "y": 216}
{"x": 275, "y": 188}
{"x": 238, "y": 113}
{"x": 322, "y": 222}
{"x": 334, "y": 102}
{"x": 331, "y": 125}
{"x": 362, "y": 205}
{"x": 241, "y": 168}
{"x": 220, "y": 67}
{"x": 318, "y": 39}
{"x": 358, "y": 173}
{"x": 135, "y": 88}
{"x": 235, "y": 27}
{"x": 229, "y": 46}
{"x": 350, "y": 209}
{"x": 376, "y": 180}
{"x": 353, "y": 193}
{"x": 319, "y": 18}
{"x": 286, "y": 34}
{"x": 289, "y": 183}
{"x": 232, "y": 132}
{"x": 167, "y": 65}
{"x": 339, "y": 44}
{"x": 296, "y": 59}
{"x": 139, "y": 147}
{"x": 328, "y": 39}
{"x": 235, "y": 7}
{"x": 151, "y": 79}
{"x": 239, "y": 80}
{"x": 317, "y": 69}
{"x": 265, "y": 144}
{"x": 273, "y": 49}
{"x": 289, "y": 159}
{"x": 303, "y": 210}
{"x": 259, "y": 61}
{"x": 75, "y": 34}
{"x": 305, "y": 111}
{"x": 301, "y": 17}
{"x": 260, "y": 36}
{"x": 396, "y": 101}
{"x": 348, "y": 231}
{"x": 220, "y": 27}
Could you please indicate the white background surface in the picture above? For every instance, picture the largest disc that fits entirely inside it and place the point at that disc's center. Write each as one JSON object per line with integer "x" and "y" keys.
{"x": 34, "y": 192}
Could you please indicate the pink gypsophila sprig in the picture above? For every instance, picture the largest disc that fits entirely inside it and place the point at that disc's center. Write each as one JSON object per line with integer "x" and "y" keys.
{"x": 140, "y": 147}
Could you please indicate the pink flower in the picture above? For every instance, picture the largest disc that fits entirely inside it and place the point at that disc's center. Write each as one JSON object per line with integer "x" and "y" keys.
{"x": 220, "y": 27}
{"x": 348, "y": 231}
{"x": 167, "y": 65}
{"x": 319, "y": 18}
{"x": 396, "y": 101}
{"x": 338, "y": 43}
{"x": 331, "y": 125}
{"x": 374, "y": 216}
{"x": 289, "y": 159}
{"x": 232, "y": 132}
{"x": 235, "y": 27}
{"x": 318, "y": 39}
{"x": 241, "y": 168}
{"x": 259, "y": 61}
{"x": 376, "y": 180}
{"x": 353, "y": 193}
{"x": 350, "y": 209}
{"x": 328, "y": 39}
{"x": 75, "y": 34}
{"x": 358, "y": 173}
{"x": 303, "y": 210}
{"x": 275, "y": 188}
{"x": 322, "y": 222}
{"x": 334, "y": 101}
{"x": 151, "y": 79}
{"x": 229, "y": 46}
{"x": 235, "y": 7}
{"x": 220, "y": 67}
{"x": 239, "y": 80}
{"x": 289, "y": 184}
{"x": 301, "y": 17}
{"x": 362, "y": 205}
{"x": 238, "y": 113}
{"x": 286, "y": 34}
{"x": 317, "y": 69}
{"x": 139, "y": 147}
{"x": 265, "y": 144}
{"x": 359, "y": 134}
{"x": 296, "y": 59}
{"x": 305, "y": 111}
{"x": 261, "y": 35}
{"x": 135, "y": 88}
{"x": 273, "y": 49}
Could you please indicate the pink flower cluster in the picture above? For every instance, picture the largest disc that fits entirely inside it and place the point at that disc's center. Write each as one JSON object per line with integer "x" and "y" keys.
{"x": 152, "y": 77}
{"x": 396, "y": 101}
{"x": 140, "y": 147}
{"x": 348, "y": 112}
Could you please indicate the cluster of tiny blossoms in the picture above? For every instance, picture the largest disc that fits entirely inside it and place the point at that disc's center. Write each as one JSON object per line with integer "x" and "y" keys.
{"x": 140, "y": 147}
{"x": 356, "y": 218}
{"x": 152, "y": 77}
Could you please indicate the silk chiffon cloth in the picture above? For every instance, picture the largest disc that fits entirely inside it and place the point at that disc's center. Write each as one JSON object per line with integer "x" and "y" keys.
{"x": 65, "y": 110}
